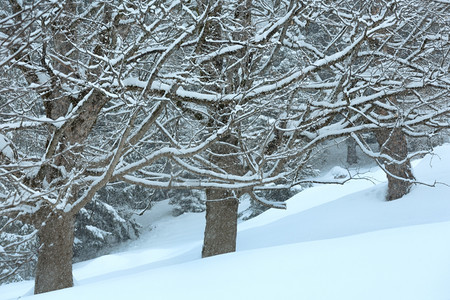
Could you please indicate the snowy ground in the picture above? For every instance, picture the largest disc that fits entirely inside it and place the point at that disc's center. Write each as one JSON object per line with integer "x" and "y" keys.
{"x": 333, "y": 242}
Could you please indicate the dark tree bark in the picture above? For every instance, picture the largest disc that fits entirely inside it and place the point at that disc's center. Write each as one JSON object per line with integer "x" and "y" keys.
{"x": 222, "y": 205}
{"x": 400, "y": 177}
{"x": 221, "y": 223}
{"x": 54, "y": 266}
{"x": 352, "y": 157}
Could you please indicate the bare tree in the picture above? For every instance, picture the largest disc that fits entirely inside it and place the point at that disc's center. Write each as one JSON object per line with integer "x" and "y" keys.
{"x": 406, "y": 54}
{"x": 222, "y": 205}
{"x": 385, "y": 71}
{"x": 291, "y": 75}
{"x": 83, "y": 79}
{"x": 229, "y": 97}
{"x": 102, "y": 92}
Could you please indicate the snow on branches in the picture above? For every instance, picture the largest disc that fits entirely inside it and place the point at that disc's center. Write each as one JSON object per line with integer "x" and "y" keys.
{"x": 231, "y": 96}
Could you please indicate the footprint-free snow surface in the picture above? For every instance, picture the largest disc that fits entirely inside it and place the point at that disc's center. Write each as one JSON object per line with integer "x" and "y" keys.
{"x": 333, "y": 242}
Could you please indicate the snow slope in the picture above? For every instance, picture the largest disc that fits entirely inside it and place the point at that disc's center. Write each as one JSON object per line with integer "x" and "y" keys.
{"x": 333, "y": 242}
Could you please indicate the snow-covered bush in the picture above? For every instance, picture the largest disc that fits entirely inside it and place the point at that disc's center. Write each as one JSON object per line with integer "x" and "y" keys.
{"x": 18, "y": 251}
{"x": 187, "y": 201}
{"x": 99, "y": 226}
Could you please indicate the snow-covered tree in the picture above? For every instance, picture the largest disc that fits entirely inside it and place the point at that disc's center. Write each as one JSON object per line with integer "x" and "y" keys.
{"x": 231, "y": 97}
{"x": 325, "y": 69}
{"x": 99, "y": 92}
{"x": 87, "y": 88}
{"x": 373, "y": 66}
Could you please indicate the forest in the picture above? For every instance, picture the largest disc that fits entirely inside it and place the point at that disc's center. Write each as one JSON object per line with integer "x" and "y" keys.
{"x": 108, "y": 107}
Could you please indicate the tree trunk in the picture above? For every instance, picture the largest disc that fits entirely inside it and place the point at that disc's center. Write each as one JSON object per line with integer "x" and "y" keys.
{"x": 54, "y": 266}
{"x": 352, "y": 157}
{"x": 222, "y": 206}
{"x": 400, "y": 177}
{"x": 221, "y": 223}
